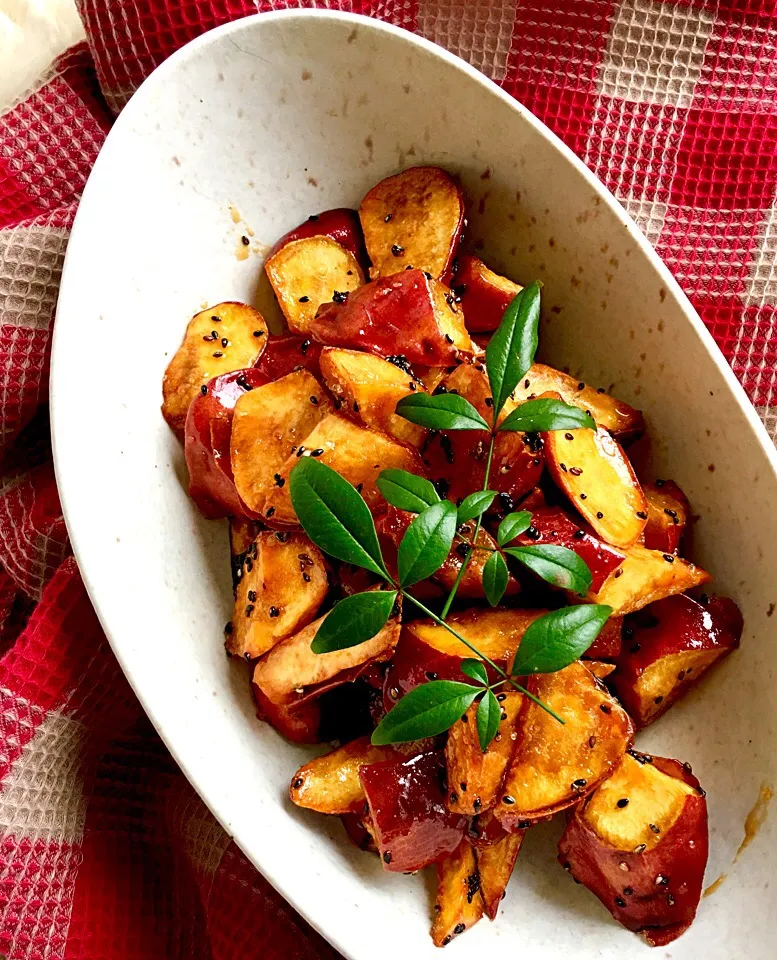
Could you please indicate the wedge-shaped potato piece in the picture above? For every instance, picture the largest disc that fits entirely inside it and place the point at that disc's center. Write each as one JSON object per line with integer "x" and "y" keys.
{"x": 667, "y": 516}
{"x": 408, "y": 311}
{"x": 288, "y": 353}
{"x": 341, "y": 225}
{"x": 369, "y": 388}
{"x": 594, "y": 472}
{"x": 555, "y": 766}
{"x": 598, "y": 668}
{"x": 298, "y": 722}
{"x": 331, "y": 784}
{"x": 673, "y": 643}
{"x": 640, "y": 844}
{"x": 495, "y": 865}
{"x": 356, "y": 453}
{"x": 475, "y": 776}
{"x": 616, "y": 417}
{"x": 226, "y": 337}
{"x": 306, "y": 273}
{"x": 485, "y": 829}
{"x": 413, "y": 827}
{"x": 609, "y": 643}
{"x": 284, "y": 673}
{"x": 281, "y": 584}
{"x": 646, "y": 576}
{"x": 484, "y": 295}
{"x": 456, "y": 461}
{"x": 412, "y": 219}
{"x": 458, "y": 904}
{"x": 267, "y": 424}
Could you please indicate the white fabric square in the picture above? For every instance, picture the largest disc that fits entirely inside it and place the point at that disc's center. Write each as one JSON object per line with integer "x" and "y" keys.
{"x": 479, "y": 31}
{"x": 762, "y": 284}
{"x": 31, "y": 261}
{"x": 655, "y": 52}
{"x": 649, "y": 215}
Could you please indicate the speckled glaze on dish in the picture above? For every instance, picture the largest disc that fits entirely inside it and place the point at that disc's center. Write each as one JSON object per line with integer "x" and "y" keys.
{"x": 244, "y": 133}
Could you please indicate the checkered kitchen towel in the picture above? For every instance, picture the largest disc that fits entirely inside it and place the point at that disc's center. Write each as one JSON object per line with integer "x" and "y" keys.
{"x": 105, "y": 851}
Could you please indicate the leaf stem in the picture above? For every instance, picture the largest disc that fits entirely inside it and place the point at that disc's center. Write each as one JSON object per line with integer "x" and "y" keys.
{"x": 474, "y": 649}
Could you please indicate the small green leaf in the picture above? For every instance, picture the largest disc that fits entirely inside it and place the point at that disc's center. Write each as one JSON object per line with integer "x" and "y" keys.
{"x": 334, "y": 516}
{"x": 558, "y": 566}
{"x": 534, "y": 416}
{"x": 406, "y": 491}
{"x": 495, "y": 577}
{"x": 426, "y": 711}
{"x": 426, "y": 543}
{"x": 354, "y": 620}
{"x": 474, "y": 669}
{"x": 559, "y": 638}
{"x": 510, "y": 352}
{"x": 475, "y": 504}
{"x": 512, "y": 526}
{"x": 442, "y": 411}
{"x": 488, "y": 716}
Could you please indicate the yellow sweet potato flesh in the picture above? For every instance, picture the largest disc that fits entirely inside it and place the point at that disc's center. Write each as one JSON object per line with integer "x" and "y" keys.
{"x": 496, "y": 633}
{"x": 226, "y": 337}
{"x": 495, "y": 865}
{"x": 659, "y": 683}
{"x": 458, "y": 904}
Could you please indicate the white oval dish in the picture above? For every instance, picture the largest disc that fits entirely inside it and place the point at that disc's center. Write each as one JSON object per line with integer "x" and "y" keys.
{"x": 278, "y": 116}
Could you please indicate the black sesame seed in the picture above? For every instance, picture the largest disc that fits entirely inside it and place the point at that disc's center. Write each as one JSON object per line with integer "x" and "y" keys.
{"x": 578, "y": 534}
{"x": 203, "y": 390}
{"x": 249, "y": 609}
{"x": 662, "y": 881}
{"x": 669, "y": 558}
{"x": 464, "y": 718}
{"x": 304, "y": 300}
{"x": 258, "y": 333}
{"x": 579, "y": 783}
{"x": 446, "y": 940}
{"x": 247, "y": 655}
{"x": 655, "y": 828}
{"x": 628, "y": 891}
{"x": 218, "y": 354}
{"x": 641, "y": 514}
{"x": 623, "y": 802}
{"x": 658, "y": 699}
{"x": 583, "y": 496}
{"x": 317, "y": 452}
{"x": 599, "y": 514}
{"x": 507, "y": 799}
{"x": 282, "y": 537}
{"x": 569, "y": 436}
{"x": 340, "y": 296}
{"x": 592, "y": 741}
{"x": 575, "y": 471}
{"x": 701, "y": 791}
{"x": 525, "y": 384}
{"x": 640, "y": 848}
{"x": 387, "y": 857}
{"x": 270, "y": 512}
{"x": 228, "y": 628}
{"x": 243, "y": 383}
{"x": 274, "y": 612}
{"x": 252, "y": 596}
{"x": 298, "y": 783}
{"x": 313, "y": 218}
{"x": 620, "y": 902}
{"x": 279, "y": 481}
{"x": 412, "y": 386}
{"x": 533, "y": 533}
{"x": 306, "y": 577}
{"x": 215, "y": 319}
{"x": 448, "y": 338}
{"x": 501, "y": 697}
{"x": 563, "y": 467}
{"x": 605, "y": 708}
{"x": 477, "y": 803}
{"x": 244, "y": 240}
{"x": 670, "y": 899}
{"x": 396, "y": 250}
{"x": 454, "y": 798}
{"x": 687, "y": 767}
{"x": 489, "y": 401}
{"x": 355, "y": 407}
{"x": 463, "y": 787}
{"x": 635, "y": 647}
{"x": 388, "y": 217}
{"x": 249, "y": 565}
{"x": 618, "y": 573}
{"x": 300, "y": 450}
{"x": 459, "y": 928}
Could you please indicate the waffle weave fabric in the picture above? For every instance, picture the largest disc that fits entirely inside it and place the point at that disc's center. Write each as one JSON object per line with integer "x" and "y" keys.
{"x": 106, "y": 853}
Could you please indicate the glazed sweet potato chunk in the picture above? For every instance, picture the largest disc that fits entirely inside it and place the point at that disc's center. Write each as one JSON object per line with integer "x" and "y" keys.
{"x": 673, "y": 642}
{"x": 475, "y": 776}
{"x": 458, "y": 904}
{"x": 617, "y": 418}
{"x": 412, "y": 219}
{"x": 598, "y": 668}
{"x": 408, "y": 311}
{"x": 306, "y": 273}
{"x": 594, "y": 472}
{"x": 646, "y": 576}
{"x": 495, "y": 865}
{"x": 609, "y": 642}
{"x": 281, "y": 584}
{"x": 298, "y": 722}
{"x": 640, "y": 845}
{"x": 341, "y": 225}
{"x": 331, "y": 784}
{"x": 267, "y": 423}
{"x": 291, "y": 666}
{"x": 484, "y": 295}
{"x": 356, "y": 453}
{"x": 288, "y": 353}
{"x": 555, "y": 766}
{"x": 369, "y": 388}
{"x": 226, "y": 337}
{"x": 667, "y": 516}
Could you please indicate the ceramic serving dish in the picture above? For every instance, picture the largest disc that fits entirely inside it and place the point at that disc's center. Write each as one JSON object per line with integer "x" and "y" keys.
{"x": 244, "y": 132}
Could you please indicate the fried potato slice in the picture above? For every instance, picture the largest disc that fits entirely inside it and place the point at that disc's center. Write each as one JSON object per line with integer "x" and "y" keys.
{"x": 282, "y": 583}
{"x": 413, "y": 218}
{"x": 226, "y": 337}
{"x": 484, "y": 295}
{"x": 496, "y": 633}
{"x": 306, "y": 273}
{"x": 458, "y": 904}
{"x": 495, "y": 865}
{"x": 667, "y": 516}
{"x": 267, "y": 423}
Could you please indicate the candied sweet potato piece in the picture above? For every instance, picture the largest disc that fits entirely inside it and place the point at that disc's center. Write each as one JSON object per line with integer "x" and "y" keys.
{"x": 331, "y": 784}
{"x": 413, "y": 826}
{"x": 456, "y": 461}
{"x": 360, "y": 830}
{"x": 306, "y": 273}
{"x": 673, "y": 643}
{"x": 609, "y": 642}
{"x": 485, "y": 829}
{"x": 458, "y": 904}
{"x": 640, "y": 845}
{"x": 555, "y": 766}
{"x": 594, "y": 472}
{"x": 369, "y": 388}
{"x": 299, "y": 723}
{"x": 267, "y": 423}
{"x": 618, "y": 418}
{"x": 408, "y": 311}
{"x": 646, "y": 576}
{"x": 495, "y": 865}
{"x": 555, "y": 526}
{"x": 598, "y": 668}
{"x": 341, "y": 225}
{"x": 226, "y": 337}
{"x": 291, "y": 666}
{"x": 282, "y": 583}
{"x": 412, "y": 219}
{"x": 475, "y": 776}
{"x": 667, "y": 516}
{"x": 356, "y": 453}
{"x": 288, "y": 353}
{"x": 484, "y": 295}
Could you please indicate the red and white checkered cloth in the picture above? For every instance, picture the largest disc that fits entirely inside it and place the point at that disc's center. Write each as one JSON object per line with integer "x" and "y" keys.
{"x": 105, "y": 851}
